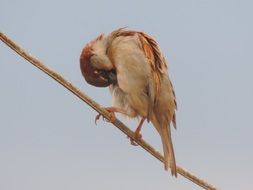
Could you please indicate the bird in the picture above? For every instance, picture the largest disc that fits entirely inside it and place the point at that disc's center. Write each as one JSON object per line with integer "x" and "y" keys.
{"x": 134, "y": 68}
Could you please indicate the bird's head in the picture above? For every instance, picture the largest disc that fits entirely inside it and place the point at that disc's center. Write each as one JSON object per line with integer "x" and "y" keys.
{"x": 95, "y": 64}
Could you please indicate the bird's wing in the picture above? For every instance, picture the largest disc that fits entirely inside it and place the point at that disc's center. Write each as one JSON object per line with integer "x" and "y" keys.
{"x": 158, "y": 64}
{"x": 155, "y": 59}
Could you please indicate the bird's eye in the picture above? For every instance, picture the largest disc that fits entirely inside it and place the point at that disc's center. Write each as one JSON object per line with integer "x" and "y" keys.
{"x": 99, "y": 72}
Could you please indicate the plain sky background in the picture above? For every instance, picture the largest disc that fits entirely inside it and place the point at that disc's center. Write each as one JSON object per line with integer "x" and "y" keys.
{"x": 48, "y": 139}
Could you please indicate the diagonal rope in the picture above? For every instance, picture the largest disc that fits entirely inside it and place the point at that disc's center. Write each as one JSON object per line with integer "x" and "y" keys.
{"x": 117, "y": 123}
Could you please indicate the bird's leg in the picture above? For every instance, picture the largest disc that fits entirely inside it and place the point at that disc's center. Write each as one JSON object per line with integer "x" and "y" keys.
{"x": 137, "y": 134}
{"x": 112, "y": 111}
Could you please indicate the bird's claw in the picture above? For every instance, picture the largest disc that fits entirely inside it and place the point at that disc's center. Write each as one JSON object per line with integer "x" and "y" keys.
{"x": 137, "y": 137}
{"x": 133, "y": 142}
{"x": 98, "y": 117}
{"x": 111, "y": 119}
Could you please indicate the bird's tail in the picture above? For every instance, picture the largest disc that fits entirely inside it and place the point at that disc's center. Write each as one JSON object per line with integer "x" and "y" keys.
{"x": 169, "y": 156}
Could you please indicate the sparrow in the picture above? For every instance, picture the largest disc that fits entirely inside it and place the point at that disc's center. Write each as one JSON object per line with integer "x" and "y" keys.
{"x": 132, "y": 65}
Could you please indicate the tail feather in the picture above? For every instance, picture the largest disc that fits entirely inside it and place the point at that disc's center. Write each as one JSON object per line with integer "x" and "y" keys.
{"x": 169, "y": 156}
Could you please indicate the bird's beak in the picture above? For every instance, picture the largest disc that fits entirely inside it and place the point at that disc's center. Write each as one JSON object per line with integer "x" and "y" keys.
{"x": 93, "y": 76}
{"x": 109, "y": 76}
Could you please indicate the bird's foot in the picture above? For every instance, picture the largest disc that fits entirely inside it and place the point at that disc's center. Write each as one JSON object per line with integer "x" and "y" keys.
{"x": 112, "y": 111}
{"x": 137, "y": 133}
{"x": 137, "y": 137}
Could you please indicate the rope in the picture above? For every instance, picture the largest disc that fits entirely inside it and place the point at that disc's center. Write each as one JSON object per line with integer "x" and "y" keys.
{"x": 117, "y": 123}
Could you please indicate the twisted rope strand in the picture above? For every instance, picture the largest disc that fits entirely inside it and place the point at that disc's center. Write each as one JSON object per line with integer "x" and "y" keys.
{"x": 117, "y": 123}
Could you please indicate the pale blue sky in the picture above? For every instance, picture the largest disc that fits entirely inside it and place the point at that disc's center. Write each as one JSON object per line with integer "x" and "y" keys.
{"x": 48, "y": 139}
